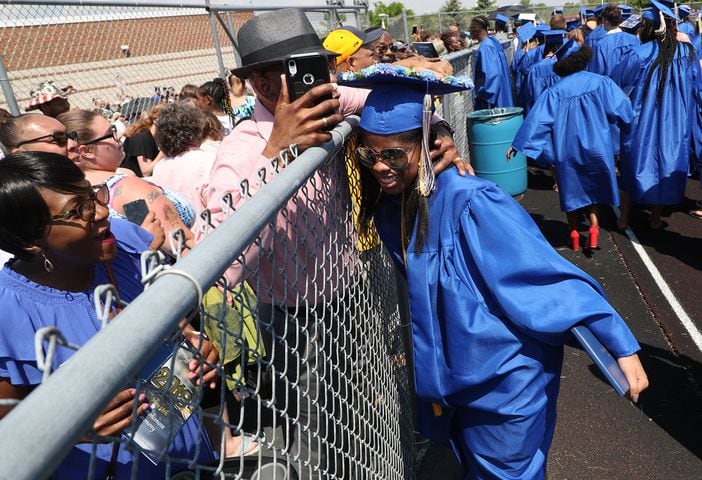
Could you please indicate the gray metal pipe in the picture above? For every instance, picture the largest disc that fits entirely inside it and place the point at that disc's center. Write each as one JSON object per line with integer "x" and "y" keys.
{"x": 37, "y": 434}
{"x": 170, "y": 4}
{"x": 7, "y": 89}
{"x": 218, "y": 48}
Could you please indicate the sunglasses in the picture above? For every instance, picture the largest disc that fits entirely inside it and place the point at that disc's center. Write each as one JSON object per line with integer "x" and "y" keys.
{"x": 86, "y": 208}
{"x": 59, "y": 138}
{"x": 395, "y": 157}
{"x": 111, "y": 134}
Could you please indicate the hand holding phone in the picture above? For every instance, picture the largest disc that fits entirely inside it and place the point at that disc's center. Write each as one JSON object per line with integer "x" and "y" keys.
{"x": 305, "y": 71}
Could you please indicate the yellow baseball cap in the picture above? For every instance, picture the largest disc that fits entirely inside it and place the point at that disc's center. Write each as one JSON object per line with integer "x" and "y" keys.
{"x": 344, "y": 41}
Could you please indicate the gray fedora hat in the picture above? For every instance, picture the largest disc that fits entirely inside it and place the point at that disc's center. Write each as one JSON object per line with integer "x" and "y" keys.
{"x": 268, "y": 38}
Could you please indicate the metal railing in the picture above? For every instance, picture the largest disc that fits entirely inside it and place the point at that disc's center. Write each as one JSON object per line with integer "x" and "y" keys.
{"x": 329, "y": 396}
{"x": 117, "y": 51}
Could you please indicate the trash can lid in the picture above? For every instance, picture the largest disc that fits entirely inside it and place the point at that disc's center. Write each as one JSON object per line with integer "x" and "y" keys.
{"x": 492, "y": 114}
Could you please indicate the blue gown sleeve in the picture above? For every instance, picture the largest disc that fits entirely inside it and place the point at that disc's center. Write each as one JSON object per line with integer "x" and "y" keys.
{"x": 537, "y": 290}
{"x": 535, "y": 137}
{"x": 617, "y": 106}
{"x": 627, "y": 72}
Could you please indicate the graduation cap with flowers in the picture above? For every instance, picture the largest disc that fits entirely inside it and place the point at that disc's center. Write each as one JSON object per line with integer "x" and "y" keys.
{"x": 400, "y": 101}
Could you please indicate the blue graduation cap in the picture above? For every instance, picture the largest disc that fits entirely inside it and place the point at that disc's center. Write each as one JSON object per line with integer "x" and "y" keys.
{"x": 632, "y": 22}
{"x": 586, "y": 13}
{"x": 557, "y": 11}
{"x": 662, "y": 6}
{"x": 554, "y": 36}
{"x": 540, "y": 29}
{"x": 501, "y": 19}
{"x": 683, "y": 11}
{"x": 526, "y": 32}
{"x": 568, "y": 47}
{"x": 572, "y": 24}
{"x": 598, "y": 10}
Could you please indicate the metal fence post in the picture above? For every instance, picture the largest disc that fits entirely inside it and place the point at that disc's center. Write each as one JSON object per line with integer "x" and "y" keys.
{"x": 439, "y": 15}
{"x": 404, "y": 25}
{"x": 7, "y": 89}
{"x": 232, "y": 33}
{"x": 218, "y": 48}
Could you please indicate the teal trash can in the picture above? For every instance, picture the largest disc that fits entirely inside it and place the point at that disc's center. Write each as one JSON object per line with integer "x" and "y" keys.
{"x": 490, "y": 134}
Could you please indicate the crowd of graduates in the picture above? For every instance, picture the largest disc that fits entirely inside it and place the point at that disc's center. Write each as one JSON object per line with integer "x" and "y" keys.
{"x": 608, "y": 96}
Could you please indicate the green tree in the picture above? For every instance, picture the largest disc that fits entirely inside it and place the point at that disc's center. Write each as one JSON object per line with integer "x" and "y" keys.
{"x": 525, "y": 3}
{"x": 452, "y": 6}
{"x": 392, "y": 10}
{"x": 485, "y": 5}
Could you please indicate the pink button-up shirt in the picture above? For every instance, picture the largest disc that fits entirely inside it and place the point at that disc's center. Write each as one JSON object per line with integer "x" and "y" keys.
{"x": 299, "y": 256}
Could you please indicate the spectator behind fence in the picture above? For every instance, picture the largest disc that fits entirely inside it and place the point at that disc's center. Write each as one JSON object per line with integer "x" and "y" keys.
{"x": 185, "y": 167}
{"x": 213, "y": 133}
{"x": 452, "y": 41}
{"x": 56, "y": 224}
{"x": 50, "y": 99}
{"x": 32, "y": 132}
{"x": 241, "y": 101}
{"x": 213, "y": 97}
{"x": 276, "y": 273}
{"x": 488, "y": 321}
{"x": 188, "y": 92}
{"x": 99, "y": 156}
{"x": 140, "y": 150}
{"x": 383, "y": 53}
{"x": 493, "y": 84}
{"x": 354, "y": 48}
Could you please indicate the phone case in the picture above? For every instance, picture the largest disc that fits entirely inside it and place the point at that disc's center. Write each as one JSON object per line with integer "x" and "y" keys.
{"x": 136, "y": 211}
{"x": 304, "y": 72}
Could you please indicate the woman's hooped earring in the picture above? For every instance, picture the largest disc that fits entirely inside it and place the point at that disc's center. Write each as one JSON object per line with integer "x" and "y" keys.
{"x": 48, "y": 266}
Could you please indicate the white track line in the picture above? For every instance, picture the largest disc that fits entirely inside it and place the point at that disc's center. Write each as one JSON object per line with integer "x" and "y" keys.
{"x": 689, "y": 325}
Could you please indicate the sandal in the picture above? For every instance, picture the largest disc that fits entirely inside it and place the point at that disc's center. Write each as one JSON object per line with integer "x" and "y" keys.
{"x": 695, "y": 213}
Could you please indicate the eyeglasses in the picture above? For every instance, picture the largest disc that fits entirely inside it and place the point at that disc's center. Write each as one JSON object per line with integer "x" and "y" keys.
{"x": 59, "y": 138}
{"x": 86, "y": 208}
{"x": 395, "y": 157}
{"x": 111, "y": 134}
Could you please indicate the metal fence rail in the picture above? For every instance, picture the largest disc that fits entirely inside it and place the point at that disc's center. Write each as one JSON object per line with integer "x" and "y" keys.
{"x": 113, "y": 52}
{"x": 329, "y": 392}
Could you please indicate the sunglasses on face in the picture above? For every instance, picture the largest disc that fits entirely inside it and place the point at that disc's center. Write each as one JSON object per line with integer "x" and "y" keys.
{"x": 111, "y": 134}
{"x": 59, "y": 138}
{"x": 85, "y": 210}
{"x": 395, "y": 157}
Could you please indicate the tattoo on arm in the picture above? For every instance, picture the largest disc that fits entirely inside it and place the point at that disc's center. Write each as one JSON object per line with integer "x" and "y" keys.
{"x": 117, "y": 192}
{"x": 153, "y": 195}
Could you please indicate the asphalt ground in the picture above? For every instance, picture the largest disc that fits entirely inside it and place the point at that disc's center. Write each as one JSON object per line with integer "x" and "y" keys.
{"x": 599, "y": 435}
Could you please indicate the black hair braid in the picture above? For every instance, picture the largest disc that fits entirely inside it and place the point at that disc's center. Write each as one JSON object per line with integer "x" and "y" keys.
{"x": 218, "y": 90}
{"x": 667, "y": 47}
{"x": 226, "y": 102}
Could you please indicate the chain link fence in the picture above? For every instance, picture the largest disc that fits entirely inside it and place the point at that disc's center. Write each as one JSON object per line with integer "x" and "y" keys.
{"x": 119, "y": 56}
{"x": 312, "y": 366}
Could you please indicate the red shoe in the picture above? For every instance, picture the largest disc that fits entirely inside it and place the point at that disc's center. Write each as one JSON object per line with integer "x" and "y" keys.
{"x": 594, "y": 236}
{"x": 575, "y": 240}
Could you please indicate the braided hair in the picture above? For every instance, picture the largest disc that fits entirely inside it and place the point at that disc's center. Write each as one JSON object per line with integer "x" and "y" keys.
{"x": 667, "y": 46}
{"x": 218, "y": 90}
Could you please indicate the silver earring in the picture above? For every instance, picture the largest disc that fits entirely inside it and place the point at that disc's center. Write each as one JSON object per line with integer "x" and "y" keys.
{"x": 48, "y": 266}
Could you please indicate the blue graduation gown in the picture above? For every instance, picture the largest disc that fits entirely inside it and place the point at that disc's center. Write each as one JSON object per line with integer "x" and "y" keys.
{"x": 569, "y": 128}
{"x": 609, "y": 50}
{"x": 489, "y": 321}
{"x": 595, "y": 36}
{"x": 541, "y": 77}
{"x": 528, "y": 60}
{"x": 493, "y": 84}
{"x": 656, "y": 152}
